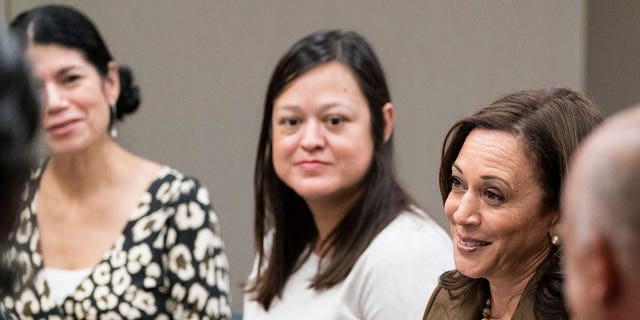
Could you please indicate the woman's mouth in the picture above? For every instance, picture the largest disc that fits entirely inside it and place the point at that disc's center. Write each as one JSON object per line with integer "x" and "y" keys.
{"x": 469, "y": 245}
{"x": 311, "y": 165}
{"x": 62, "y": 128}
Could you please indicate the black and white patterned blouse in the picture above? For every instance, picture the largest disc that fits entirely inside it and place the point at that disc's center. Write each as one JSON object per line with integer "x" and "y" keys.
{"x": 168, "y": 263}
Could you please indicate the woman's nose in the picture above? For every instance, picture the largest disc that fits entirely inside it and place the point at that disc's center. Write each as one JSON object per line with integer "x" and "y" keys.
{"x": 466, "y": 211}
{"x": 312, "y": 136}
{"x": 53, "y": 98}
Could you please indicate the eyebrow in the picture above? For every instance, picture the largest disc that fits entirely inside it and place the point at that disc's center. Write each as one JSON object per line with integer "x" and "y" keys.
{"x": 286, "y": 107}
{"x": 492, "y": 177}
{"x": 484, "y": 177}
{"x": 67, "y": 69}
{"x": 323, "y": 108}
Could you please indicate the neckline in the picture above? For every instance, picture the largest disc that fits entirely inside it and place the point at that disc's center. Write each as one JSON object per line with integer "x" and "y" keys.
{"x": 36, "y": 258}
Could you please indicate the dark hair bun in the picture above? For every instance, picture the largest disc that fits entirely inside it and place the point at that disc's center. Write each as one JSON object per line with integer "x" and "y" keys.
{"x": 129, "y": 99}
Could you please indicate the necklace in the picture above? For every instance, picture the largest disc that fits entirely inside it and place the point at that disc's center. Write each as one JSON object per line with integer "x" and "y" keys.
{"x": 486, "y": 312}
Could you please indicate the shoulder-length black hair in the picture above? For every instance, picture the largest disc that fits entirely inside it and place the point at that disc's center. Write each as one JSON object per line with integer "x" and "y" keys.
{"x": 278, "y": 209}
{"x": 63, "y": 25}
{"x": 551, "y": 124}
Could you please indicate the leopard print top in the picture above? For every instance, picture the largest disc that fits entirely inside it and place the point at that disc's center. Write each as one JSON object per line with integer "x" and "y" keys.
{"x": 168, "y": 263}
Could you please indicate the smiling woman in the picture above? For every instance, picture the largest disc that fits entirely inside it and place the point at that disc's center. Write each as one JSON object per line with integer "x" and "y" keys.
{"x": 493, "y": 182}
{"x": 500, "y": 180}
{"x": 106, "y": 233}
{"x": 74, "y": 94}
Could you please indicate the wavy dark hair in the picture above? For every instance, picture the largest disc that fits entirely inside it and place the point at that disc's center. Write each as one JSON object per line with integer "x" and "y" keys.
{"x": 551, "y": 123}
{"x": 63, "y": 25}
{"x": 19, "y": 118}
{"x": 280, "y": 209}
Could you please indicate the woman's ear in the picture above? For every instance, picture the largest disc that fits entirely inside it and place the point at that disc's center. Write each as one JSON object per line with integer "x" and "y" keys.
{"x": 112, "y": 83}
{"x": 388, "y": 117}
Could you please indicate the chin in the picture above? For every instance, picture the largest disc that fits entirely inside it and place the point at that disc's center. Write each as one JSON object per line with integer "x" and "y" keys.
{"x": 465, "y": 272}
{"x": 308, "y": 195}
{"x": 312, "y": 190}
{"x": 66, "y": 147}
{"x": 468, "y": 269}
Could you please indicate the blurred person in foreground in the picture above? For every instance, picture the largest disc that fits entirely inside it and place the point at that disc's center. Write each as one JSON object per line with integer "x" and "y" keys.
{"x": 19, "y": 111}
{"x": 601, "y": 222}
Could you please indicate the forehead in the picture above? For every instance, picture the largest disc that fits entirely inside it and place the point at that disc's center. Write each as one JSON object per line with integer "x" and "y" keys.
{"x": 331, "y": 80}
{"x": 47, "y": 58}
{"x": 493, "y": 152}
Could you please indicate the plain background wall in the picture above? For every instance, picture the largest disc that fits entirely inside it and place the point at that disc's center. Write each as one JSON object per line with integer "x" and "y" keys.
{"x": 613, "y": 53}
{"x": 203, "y": 68}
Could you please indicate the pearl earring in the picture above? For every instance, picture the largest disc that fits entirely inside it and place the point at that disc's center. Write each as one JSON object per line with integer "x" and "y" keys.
{"x": 113, "y": 131}
{"x": 555, "y": 240}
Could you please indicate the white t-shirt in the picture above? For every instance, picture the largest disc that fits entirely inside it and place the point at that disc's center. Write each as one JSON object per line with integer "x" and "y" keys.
{"x": 392, "y": 279}
{"x": 63, "y": 282}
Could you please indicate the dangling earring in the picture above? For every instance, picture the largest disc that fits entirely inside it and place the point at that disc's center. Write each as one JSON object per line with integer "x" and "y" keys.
{"x": 113, "y": 131}
{"x": 555, "y": 240}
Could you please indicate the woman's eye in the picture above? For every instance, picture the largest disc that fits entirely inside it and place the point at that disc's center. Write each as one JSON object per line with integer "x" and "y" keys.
{"x": 456, "y": 183}
{"x": 70, "y": 78}
{"x": 291, "y": 122}
{"x": 334, "y": 121}
{"x": 493, "y": 196}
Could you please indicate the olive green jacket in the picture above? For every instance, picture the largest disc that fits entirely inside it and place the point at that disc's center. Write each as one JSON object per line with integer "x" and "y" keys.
{"x": 441, "y": 307}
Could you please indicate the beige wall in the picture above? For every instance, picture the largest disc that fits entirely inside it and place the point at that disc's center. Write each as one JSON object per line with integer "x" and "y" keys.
{"x": 613, "y": 53}
{"x": 203, "y": 68}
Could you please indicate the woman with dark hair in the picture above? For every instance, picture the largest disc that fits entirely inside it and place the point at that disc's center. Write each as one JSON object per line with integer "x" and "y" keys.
{"x": 18, "y": 124}
{"x": 106, "y": 234}
{"x": 336, "y": 235}
{"x": 500, "y": 179}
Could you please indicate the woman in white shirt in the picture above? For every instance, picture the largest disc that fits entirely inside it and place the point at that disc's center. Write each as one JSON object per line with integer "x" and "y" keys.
{"x": 337, "y": 236}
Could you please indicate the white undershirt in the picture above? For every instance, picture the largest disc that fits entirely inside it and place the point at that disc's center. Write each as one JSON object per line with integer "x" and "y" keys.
{"x": 63, "y": 282}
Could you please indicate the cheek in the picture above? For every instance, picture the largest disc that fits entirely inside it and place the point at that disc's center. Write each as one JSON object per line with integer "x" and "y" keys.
{"x": 97, "y": 116}
{"x": 279, "y": 155}
{"x": 522, "y": 239}
{"x": 105, "y": 116}
{"x": 362, "y": 157}
{"x": 281, "y": 143}
{"x": 354, "y": 151}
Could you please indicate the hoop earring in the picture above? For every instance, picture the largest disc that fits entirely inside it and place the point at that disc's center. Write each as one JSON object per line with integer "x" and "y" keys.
{"x": 113, "y": 131}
